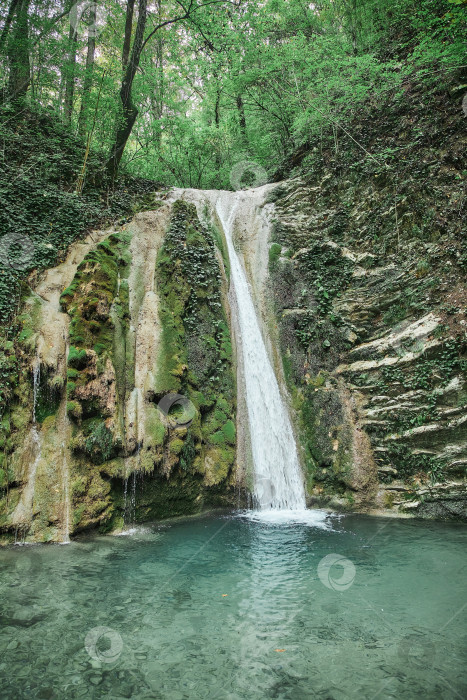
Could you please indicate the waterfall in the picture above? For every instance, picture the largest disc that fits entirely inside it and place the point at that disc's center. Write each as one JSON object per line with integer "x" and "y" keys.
{"x": 36, "y": 378}
{"x": 278, "y": 488}
{"x": 278, "y": 481}
{"x": 36, "y": 373}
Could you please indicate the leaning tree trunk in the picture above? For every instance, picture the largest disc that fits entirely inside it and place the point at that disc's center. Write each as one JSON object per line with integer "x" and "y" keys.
{"x": 8, "y": 21}
{"x": 128, "y": 110}
{"x": 87, "y": 83}
{"x": 70, "y": 74}
{"x": 18, "y": 52}
{"x": 130, "y": 8}
{"x": 157, "y": 96}
{"x": 217, "y": 121}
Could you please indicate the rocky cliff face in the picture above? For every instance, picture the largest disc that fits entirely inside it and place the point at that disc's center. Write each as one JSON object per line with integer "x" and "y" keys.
{"x": 123, "y": 393}
{"x": 372, "y": 317}
{"x": 94, "y": 434}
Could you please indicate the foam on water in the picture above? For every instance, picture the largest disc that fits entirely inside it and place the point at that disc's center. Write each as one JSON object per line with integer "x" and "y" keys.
{"x": 135, "y": 530}
{"x": 313, "y": 518}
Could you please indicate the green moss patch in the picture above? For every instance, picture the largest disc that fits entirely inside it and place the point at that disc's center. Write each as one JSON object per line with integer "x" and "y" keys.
{"x": 196, "y": 353}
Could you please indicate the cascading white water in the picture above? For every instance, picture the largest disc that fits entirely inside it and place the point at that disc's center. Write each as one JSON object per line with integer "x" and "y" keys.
{"x": 278, "y": 481}
{"x": 36, "y": 380}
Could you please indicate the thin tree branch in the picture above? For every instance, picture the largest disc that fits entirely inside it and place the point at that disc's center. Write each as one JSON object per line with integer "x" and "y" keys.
{"x": 188, "y": 12}
{"x": 54, "y": 20}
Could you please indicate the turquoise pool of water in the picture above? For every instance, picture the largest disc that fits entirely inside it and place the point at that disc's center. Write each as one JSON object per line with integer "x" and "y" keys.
{"x": 227, "y": 607}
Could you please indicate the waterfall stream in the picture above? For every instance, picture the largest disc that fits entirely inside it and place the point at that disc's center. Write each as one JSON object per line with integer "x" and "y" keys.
{"x": 278, "y": 482}
{"x": 66, "y": 428}
{"x": 36, "y": 380}
{"x": 66, "y": 496}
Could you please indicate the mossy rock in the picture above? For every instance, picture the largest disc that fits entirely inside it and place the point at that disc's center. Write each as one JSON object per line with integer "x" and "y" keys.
{"x": 217, "y": 438}
{"x": 74, "y": 409}
{"x": 229, "y": 432}
{"x": 218, "y": 464}
{"x": 77, "y": 358}
{"x": 176, "y": 446}
{"x": 155, "y": 429}
{"x": 196, "y": 352}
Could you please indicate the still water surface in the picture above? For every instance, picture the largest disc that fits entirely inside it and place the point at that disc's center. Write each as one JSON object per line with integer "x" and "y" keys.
{"x": 229, "y": 607}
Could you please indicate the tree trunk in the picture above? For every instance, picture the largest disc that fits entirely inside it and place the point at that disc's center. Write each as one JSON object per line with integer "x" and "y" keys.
{"x": 217, "y": 116}
{"x": 241, "y": 118}
{"x": 354, "y": 25}
{"x": 70, "y": 74}
{"x": 157, "y": 96}
{"x": 129, "y": 111}
{"x": 87, "y": 84}
{"x": 18, "y": 52}
{"x": 130, "y": 7}
{"x": 8, "y": 21}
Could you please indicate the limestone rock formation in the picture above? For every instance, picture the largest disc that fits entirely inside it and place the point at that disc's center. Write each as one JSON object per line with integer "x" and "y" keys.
{"x": 368, "y": 344}
{"x": 373, "y": 337}
{"x": 130, "y": 317}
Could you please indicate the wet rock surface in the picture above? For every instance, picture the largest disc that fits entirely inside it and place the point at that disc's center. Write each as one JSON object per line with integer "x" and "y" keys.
{"x": 372, "y": 346}
{"x": 131, "y": 316}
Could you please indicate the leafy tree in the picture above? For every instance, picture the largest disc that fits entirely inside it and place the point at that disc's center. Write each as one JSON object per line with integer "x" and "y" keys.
{"x": 181, "y": 90}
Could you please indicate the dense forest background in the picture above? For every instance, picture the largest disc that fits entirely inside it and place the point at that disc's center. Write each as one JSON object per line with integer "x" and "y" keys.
{"x": 181, "y": 91}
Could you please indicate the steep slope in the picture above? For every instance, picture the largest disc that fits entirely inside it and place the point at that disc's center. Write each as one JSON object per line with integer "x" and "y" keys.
{"x": 368, "y": 267}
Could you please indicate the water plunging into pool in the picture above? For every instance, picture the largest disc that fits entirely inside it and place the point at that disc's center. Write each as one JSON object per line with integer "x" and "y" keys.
{"x": 24, "y": 507}
{"x": 278, "y": 481}
{"x": 278, "y": 484}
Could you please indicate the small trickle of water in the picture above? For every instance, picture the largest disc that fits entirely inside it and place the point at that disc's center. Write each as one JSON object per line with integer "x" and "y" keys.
{"x": 129, "y": 497}
{"x": 22, "y": 515}
{"x": 133, "y": 498}
{"x": 125, "y": 500}
{"x": 66, "y": 490}
{"x": 36, "y": 375}
{"x": 65, "y": 463}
